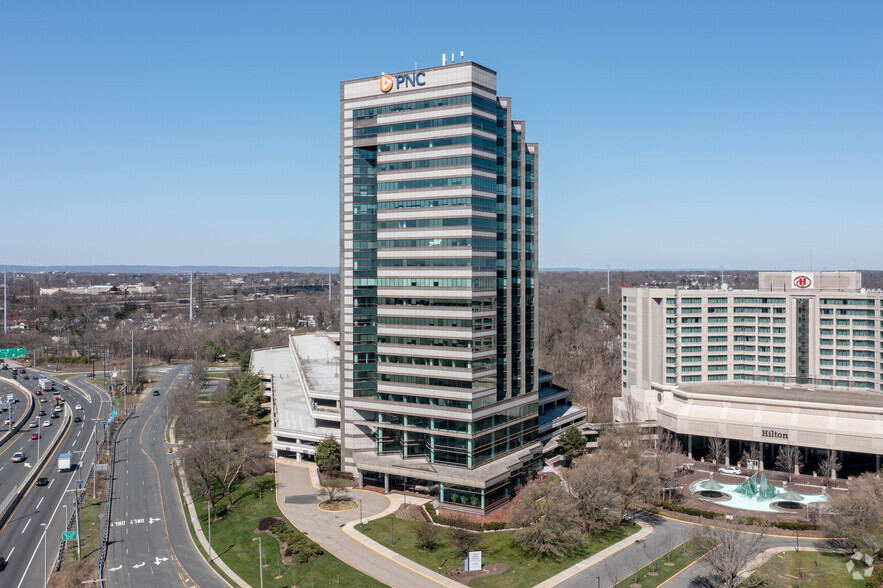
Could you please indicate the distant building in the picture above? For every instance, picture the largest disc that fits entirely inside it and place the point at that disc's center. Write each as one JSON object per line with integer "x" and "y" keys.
{"x": 794, "y": 362}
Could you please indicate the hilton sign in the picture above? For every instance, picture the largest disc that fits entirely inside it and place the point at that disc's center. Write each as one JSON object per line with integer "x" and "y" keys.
{"x": 774, "y": 434}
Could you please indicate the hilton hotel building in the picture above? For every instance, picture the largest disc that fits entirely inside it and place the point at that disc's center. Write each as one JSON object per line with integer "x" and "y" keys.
{"x": 438, "y": 197}
{"x": 799, "y": 361}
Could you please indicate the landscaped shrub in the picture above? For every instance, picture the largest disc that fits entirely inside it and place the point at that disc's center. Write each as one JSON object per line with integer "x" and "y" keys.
{"x": 461, "y": 523}
{"x": 786, "y": 525}
{"x": 302, "y": 548}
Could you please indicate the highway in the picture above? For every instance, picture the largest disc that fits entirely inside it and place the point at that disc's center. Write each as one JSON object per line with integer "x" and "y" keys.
{"x": 149, "y": 543}
{"x": 21, "y": 538}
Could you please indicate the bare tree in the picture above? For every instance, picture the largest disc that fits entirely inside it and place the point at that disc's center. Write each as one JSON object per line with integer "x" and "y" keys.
{"x": 728, "y": 553}
{"x": 789, "y": 459}
{"x": 595, "y": 501}
{"x": 333, "y": 488}
{"x": 857, "y": 515}
{"x": 546, "y": 515}
{"x": 718, "y": 450}
{"x": 829, "y": 466}
{"x": 753, "y": 455}
{"x": 426, "y": 535}
{"x": 464, "y": 539}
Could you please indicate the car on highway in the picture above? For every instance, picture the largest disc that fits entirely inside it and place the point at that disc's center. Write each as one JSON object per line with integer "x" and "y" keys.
{"x": 730, "y": 470}
{"x": 156, "y": 392}
{"x": 27, "y": 377}
{"x": 66, "y": 387}
{"x": 35, "y": 436}
{"x": 78, "y": 419}
{"x": 42, "y": 481}
{"x": 42, "y": 412}
{"x": 58, "y": 409}
{"x": 7, "y": 421}
{"x": 2, "y": 563}
{"x": 19, "y": 456}
{"x": 38, "y": 392}
{"x": 78, "y": 407}
{"x": 47, "y": 423}
{"x": 23, "y": 370}
{"x": 54, "y": 415}
{"x": 33, "y": 424}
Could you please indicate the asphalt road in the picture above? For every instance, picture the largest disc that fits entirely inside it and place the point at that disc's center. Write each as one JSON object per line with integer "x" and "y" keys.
{"x": 150, "y": 544}
{"x": 21, "y": 539}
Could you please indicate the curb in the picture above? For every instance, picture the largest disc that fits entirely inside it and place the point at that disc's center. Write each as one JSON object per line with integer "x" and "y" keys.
{"x": 213, "y": 557}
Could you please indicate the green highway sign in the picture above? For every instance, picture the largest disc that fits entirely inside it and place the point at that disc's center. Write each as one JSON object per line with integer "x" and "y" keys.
{"x": 14, "y": 352}
{"x": 69, "y": 536}
{"x": 114, "y": 414}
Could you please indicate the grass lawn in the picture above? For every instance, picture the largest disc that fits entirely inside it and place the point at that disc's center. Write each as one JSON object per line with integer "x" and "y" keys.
{"x": 663, "y": 572}
{"x": 232, "y": 536}
{"x": 809, "y": 569}
{"x": 497, "y": 547}
{"x": 90, "y": 529}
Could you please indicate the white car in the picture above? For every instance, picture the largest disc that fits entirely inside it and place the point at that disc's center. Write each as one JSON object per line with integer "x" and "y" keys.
{"x": 730, "y": 470}
{"x": 47, "y": 423}
{"x": 7, "y": 421}
{"x": 58, "y": 409}
{"x": 79, "y": 407}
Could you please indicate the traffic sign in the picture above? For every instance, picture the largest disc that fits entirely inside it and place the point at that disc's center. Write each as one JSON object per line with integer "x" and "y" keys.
{"x": 114, "y": 414}
{"x": 69, "y": 536}
{"x": 13, "y": 352}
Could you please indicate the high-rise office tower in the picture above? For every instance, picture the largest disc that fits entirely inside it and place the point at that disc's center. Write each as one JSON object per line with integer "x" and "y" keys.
{"x": 438, "y": 266}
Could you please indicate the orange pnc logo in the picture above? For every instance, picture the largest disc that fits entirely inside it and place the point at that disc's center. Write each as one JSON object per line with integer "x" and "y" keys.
{"x": 386, "y": 83}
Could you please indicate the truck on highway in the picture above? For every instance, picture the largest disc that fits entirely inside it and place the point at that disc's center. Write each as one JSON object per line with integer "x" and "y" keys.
{"x": 65, "y": 462}
{"x": 58, "y": 401}
{"x": 45, "y": 384}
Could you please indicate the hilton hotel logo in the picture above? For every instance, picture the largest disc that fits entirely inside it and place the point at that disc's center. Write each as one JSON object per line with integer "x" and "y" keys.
{"x": 774, "y": 434}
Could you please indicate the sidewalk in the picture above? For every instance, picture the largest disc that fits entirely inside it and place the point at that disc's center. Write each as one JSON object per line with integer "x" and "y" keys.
{"x": 296, "y": 484}
{"x": 191, "y": 511}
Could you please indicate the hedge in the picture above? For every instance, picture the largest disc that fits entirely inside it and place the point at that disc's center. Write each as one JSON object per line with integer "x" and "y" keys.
{"x": 461, "y": 523}
{"x": 786, "y": 525}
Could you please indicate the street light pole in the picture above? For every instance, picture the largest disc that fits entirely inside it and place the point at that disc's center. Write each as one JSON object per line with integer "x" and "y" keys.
{"x": 208, "y": 506}
{"x": 260, "y": 559}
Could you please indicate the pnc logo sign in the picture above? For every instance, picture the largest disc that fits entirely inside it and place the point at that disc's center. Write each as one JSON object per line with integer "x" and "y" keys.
{"x": 387, "y": 82}
{"x": 802, "y": 281}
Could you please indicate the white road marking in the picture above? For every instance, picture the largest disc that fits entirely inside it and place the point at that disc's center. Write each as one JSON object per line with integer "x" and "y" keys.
{"x": 25, "y": 527}
{"x": 141, "y": 565}
{"x": 41, "y": 502}
{"x": 50, "y": 483}
{"x": 115, "y": 569}
{"x": 10, "y": 554}
{"x": 159, "y": 560}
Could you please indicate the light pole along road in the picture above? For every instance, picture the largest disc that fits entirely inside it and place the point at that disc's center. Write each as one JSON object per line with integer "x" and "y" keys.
{"x": 21, "y": 538}
{"x": 149, "y": 543}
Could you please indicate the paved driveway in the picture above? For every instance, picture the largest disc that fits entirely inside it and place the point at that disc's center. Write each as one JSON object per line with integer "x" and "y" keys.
{"x": 297, "y": 500}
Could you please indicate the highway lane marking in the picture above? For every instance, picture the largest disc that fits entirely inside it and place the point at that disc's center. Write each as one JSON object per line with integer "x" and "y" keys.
{"x": 182, "y": 573}
{"x": 115, "y": 569}
{"x": 51, "y": 518}
{"x": 41, "y": 502}
{"x": 141, "y": 565}
{"x": 10, "y": 555}
{"x": 25, "y": 527}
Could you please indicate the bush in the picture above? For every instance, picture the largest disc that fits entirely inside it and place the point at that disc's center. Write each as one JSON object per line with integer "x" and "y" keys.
{"x": 786, "y": 525}
{"x": 302, "y": 549}
{"x": 459, "y": 523}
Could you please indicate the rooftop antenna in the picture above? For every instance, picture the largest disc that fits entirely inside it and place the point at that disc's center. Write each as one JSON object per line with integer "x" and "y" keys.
{"x": 444, "y": 58}
{"x": 461, "y": 56}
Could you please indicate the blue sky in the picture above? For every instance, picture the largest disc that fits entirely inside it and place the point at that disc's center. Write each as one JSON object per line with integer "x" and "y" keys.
{"x": 672, "y": 134}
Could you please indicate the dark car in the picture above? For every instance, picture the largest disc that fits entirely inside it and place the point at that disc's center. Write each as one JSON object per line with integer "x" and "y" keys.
{"x": 156, "y": 392}
{"x": 78, "y": 419}
{"x": 54, "y": 415}
{"x": 66, "y": 387}
{"x": 42, "y": 412}
{"x": 2, "y": 563}
{"x": 27, "y": 377}
{"x": 42, "y": 481}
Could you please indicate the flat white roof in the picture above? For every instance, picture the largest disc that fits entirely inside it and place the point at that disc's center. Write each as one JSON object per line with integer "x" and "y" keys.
{"x": 319, "y": 358}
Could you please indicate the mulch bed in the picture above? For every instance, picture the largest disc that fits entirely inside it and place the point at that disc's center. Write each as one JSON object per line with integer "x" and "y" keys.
{"x": 489, "y": 570}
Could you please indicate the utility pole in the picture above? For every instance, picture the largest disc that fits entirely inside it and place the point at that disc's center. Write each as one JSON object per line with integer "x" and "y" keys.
{"x": 132, "y": 373}
{"x": 191, "y": 297}
{"x": 5, "y": 288}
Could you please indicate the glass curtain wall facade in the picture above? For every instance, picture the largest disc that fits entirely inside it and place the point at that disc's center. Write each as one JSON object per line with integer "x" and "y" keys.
{"x": 438, "y": 271}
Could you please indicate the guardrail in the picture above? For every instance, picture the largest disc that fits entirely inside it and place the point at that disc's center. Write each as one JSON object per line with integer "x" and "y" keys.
{"x": 102, "y": 552}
